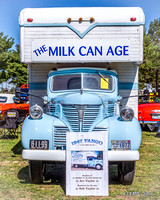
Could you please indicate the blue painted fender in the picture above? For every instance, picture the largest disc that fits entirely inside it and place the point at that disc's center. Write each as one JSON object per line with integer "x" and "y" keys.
{"x": 123, "y": 130}
{"x": 38, "y": 129}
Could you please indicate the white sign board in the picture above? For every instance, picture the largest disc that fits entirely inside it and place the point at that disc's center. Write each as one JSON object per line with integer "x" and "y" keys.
{"x": 77, "y": 50}
{"x": 87, "y": 164}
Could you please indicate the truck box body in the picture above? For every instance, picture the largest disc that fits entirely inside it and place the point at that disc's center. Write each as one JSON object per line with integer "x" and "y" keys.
{"x": 110, "y": 25}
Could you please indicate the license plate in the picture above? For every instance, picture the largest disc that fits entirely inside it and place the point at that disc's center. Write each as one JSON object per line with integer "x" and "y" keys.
{"x": 120, "y": 145}
{"x": 156, "y": 116}
{"x": 39, "y": 144}
{"x": 11, "y": 114}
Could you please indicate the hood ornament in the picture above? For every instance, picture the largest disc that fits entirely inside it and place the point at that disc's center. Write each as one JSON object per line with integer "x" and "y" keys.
{"x": 81, "y": 109}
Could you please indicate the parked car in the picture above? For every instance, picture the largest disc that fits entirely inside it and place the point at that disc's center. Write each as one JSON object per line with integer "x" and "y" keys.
{"x": 148, "y": 114}
{"x": 16, "y": 106}
{"x": 12, "y": 111}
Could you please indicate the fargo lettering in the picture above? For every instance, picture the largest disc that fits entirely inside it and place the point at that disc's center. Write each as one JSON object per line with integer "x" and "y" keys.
{"x": 75, "y": 142}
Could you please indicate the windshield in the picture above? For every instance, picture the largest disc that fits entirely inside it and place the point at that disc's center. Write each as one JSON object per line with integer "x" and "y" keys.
{"x": 3, "y": 99}
{"x": 82, "y": 81}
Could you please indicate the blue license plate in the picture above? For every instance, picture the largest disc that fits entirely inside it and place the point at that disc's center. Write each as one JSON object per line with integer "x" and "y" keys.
{"x": 120, "y": 145}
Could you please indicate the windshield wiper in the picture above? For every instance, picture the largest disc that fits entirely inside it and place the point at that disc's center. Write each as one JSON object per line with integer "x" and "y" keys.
{"x": 102, "y": 77}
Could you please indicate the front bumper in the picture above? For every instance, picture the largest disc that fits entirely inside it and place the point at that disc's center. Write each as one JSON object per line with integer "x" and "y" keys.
{"x": 60, "y": 155}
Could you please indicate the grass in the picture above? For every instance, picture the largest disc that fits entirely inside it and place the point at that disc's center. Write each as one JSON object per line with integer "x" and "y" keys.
{"x": 15, "y": 182}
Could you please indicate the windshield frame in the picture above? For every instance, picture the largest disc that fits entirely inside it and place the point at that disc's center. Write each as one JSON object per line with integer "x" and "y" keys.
{"x": 82, "y": 83}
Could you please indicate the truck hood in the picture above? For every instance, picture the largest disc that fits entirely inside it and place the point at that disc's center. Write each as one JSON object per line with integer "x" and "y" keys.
{"x": 83, "y": 99}
{"x": 77, "y": 98}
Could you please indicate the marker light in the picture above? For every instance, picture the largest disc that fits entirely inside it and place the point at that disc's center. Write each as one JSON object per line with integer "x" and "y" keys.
{"x": 69, "y": 20}
{"x": 80, "y": 19}
{"x": 29, "y": 20}
{"x": 133, "y": 19}
{"x": 92, "y": 19}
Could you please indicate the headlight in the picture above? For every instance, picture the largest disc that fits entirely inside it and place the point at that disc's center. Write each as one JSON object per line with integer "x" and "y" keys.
{"x": 127, "y": 114}
{"x": 36, "y": 112}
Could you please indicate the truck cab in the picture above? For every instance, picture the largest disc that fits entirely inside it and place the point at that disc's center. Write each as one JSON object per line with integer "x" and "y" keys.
{"x": 93, "y": 162}
{"x": 81, "y": 100}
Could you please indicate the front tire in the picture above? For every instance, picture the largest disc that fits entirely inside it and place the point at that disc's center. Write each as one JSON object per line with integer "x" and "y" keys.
{"x": 126, "y": 171}
{"x": 36, "y": 171}
{"x": 98, "y": 167}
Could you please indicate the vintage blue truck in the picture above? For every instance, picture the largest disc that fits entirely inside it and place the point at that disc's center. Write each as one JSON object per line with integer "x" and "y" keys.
{"x": 82, "y": 62}
{"x": 87, "y": 159}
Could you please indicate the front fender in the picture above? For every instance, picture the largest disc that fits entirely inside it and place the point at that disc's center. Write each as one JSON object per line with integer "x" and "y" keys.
{"x": 39, "y": 129}
{"x": 123, "y": 130}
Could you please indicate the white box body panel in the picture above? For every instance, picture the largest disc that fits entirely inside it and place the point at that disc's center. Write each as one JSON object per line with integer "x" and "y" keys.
{"x": 107, "y": 37}
{"x": 110, "y": 28}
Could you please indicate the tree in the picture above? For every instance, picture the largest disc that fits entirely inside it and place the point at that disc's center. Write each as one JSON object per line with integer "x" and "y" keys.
{"x": 5, "y": 46}
{"x": 154, "y": 31}
{"x": 151, "y": 49}
{"x": 11, "y": 69}
{"x": 17, "y": 71}
{"x": 150, "y": 62}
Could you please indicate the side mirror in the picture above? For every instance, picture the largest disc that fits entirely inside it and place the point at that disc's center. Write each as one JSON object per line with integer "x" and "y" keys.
{"x": 45, "y": 100}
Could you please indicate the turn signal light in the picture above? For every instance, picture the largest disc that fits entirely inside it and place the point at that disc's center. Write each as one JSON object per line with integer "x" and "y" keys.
{"x": 29, "y": 20}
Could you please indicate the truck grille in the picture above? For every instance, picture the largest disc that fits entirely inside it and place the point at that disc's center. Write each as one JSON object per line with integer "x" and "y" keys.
{"x": 100, "y": 129}
{"x": 111, "y": 110}
{"x": 51, "y": 109}
{"x": 60, "y": 136}
{"x": 81, "y": 117}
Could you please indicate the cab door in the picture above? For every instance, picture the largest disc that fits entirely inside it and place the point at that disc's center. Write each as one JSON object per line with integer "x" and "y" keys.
{"x": 91, "y": 162}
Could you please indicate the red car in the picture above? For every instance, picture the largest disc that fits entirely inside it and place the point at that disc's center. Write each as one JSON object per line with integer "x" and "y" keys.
{"x": 7, "y": 102}
{"x": 148, "y": 114}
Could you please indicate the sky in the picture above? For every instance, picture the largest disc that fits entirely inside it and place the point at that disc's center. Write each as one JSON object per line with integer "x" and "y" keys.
{"x": 10, "y": 10}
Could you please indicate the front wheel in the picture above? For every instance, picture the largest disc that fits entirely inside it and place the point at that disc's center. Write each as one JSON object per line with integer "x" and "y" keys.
{"x": 98, "y": 166}
{"x": 126, "y": 171}
{"x": 36, "y": 171}
{"x": 76, "y": 166}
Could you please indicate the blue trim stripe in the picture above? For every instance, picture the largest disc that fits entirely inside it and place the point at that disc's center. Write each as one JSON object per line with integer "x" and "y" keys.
{"x": 38, "y": 86}
{"x": 81, "y": 35}
{"x": 128, "y": 86}
{"x": 75, "y": 71}
{"x": 122, "y": 86}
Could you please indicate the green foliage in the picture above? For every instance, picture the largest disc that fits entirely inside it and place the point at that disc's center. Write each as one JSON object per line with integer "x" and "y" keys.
{"x": 154, "y": 31}
{"x": 151, "y": 51}
{"x": 16, "y": 70}
{"x": 11, "y": 69}
{"x": 150, "y": 62}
